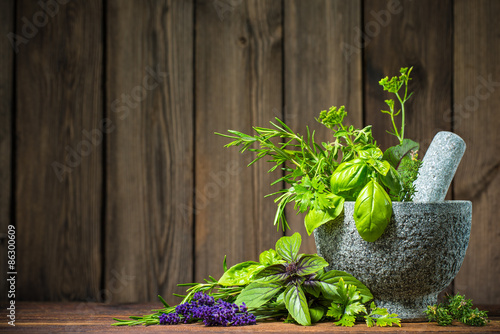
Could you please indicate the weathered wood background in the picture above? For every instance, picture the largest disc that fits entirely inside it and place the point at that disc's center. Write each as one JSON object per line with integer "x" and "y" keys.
{"x": 109, "y": 168}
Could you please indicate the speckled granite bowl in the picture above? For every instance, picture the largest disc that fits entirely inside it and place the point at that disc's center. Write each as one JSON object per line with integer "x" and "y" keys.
{"x": 418, "y": 255}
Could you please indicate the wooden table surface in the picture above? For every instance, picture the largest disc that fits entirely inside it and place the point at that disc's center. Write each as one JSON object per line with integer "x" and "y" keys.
{"x": 92, "y": 317}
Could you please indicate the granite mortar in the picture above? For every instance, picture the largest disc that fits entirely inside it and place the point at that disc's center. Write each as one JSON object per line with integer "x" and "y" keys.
{"x": 419, "y": 254}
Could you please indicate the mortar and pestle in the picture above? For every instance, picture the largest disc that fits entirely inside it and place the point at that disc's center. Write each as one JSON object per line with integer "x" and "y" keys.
{"x": 422, "y": 248}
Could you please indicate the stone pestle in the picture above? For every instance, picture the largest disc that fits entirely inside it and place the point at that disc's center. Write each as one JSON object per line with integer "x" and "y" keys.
{"x": 438, "y": 167}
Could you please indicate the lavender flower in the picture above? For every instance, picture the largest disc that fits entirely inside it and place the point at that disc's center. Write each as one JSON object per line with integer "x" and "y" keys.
{"x": 213, "y": 313}
{"x": 169, "y": 319}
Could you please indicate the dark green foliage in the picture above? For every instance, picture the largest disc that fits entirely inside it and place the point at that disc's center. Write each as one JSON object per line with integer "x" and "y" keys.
{"x": 408, "y": 171}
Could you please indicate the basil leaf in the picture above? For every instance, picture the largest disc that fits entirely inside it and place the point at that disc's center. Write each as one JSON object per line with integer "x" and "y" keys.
{"x": 273, "y": 272}
{"x": 312, "y": 287}
{"x": 348, "y": 175}
{"x": 370, "y": 153}
{"x": 316, "y": 313}
{"x": 372, "y": 211}
{"x": 240, "y": 274}
{"x": 269, "y": 257}
{"x": 333, "y": 277}
{"x": 258, "y": 293}
{"x": 288, "y": 247}
{"x": 396, "y": 153}
{"x": 309, "y": 264}
{"x": 296, "y": 304}
{"x": 382, "y": 167}
{"x": 392, "y": 180}
{"x": 315, "y": 217}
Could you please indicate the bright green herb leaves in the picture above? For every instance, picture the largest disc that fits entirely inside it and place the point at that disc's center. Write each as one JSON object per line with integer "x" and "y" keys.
{"x": 347, "y": 303}
{"x": 288, "y": 247}
{"x": 381, "y": 317}
{"x": 299, "y": 282}
{"x": 316, "y": 217}
{"x": 258, "y": 293}
{"x": 321, "y": 177}
{"x": 296, "y": 304}
{"x": 240, "y": 274}
{"x": 372, "y": 211}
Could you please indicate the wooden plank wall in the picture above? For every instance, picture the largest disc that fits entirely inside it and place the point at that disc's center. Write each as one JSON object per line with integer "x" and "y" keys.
{"x": 317, "y": 74}
{"x": 58, "y": 98}
{"x": 475, "y": 103}
{"x": 6, "y": 134}
{"x": 149, "y": 154}
{"x": 121, "y": 189}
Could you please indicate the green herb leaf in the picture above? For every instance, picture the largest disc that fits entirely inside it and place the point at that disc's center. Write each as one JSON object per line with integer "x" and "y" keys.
{"x": 296, "y": 304}
{"x": 336, "y": 311}
{"x": 288, "y": 247}
{"x": 392, "y": 181}
{"x": 258, "y": 293}
{"x": 316, "y": 313}
{"x": 309, "y": 264}
{"x": 372, "y": 211}
{"x": 395, "y": 154}
{"x": 269, "y": 257}
{"x": 312, "y": 287}
{"x": 383, "y": 317}
{"x": 349, "y": 175}
{"x": 274, "y": 272}
{"x": 332, "y": 277}
{"x": 316, "y": 217}
{"x": 346, "y": 321}
{"x": 240, "y": 274}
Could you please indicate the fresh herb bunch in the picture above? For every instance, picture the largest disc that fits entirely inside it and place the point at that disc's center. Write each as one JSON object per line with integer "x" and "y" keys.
{"x": 351, "y": 168}
{"x": 347, "y": 306}
{"x": 283, "y": 284}
{"x": 459, "y": 308}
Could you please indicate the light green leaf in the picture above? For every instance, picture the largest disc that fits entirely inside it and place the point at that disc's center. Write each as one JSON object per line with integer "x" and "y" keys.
{"x": 288, "y": 247}
{"x": 240, "y": 274}
{"x": 258, "y": 293}
{"x": 382, "y": 167}
{"x": 346, "y": 321}
{"x": 296, "y": 304}
{"x": 348, "y": 175}
{"x": 336, "y": 311}
{"x": 269, "y": 257}
{"x": 316, "y": 218}
{"x": 316, "y": 313}
{"x": 355, "y": 308}
{"x": 372, "y": 211}
{"x": 371, "y": 153}
{"x": 332, "y": 277}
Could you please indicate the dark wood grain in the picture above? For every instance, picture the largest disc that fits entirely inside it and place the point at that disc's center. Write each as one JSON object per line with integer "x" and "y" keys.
{"x": 6, "y": 134}
{"x": 475, "y": 106}
{"x": 97, "y": 318}
{"x": 320, "y": 72}
{"x": 59, "y": 171}
{"x": 418, "y": 34}
{"x": 238, "y": 84}
{"x": 149, "y": 158}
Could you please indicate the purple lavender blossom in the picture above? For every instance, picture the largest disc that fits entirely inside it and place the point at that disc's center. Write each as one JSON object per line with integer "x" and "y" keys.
{"x": 169, "y": 319}
{"x": 213, "y": 313}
